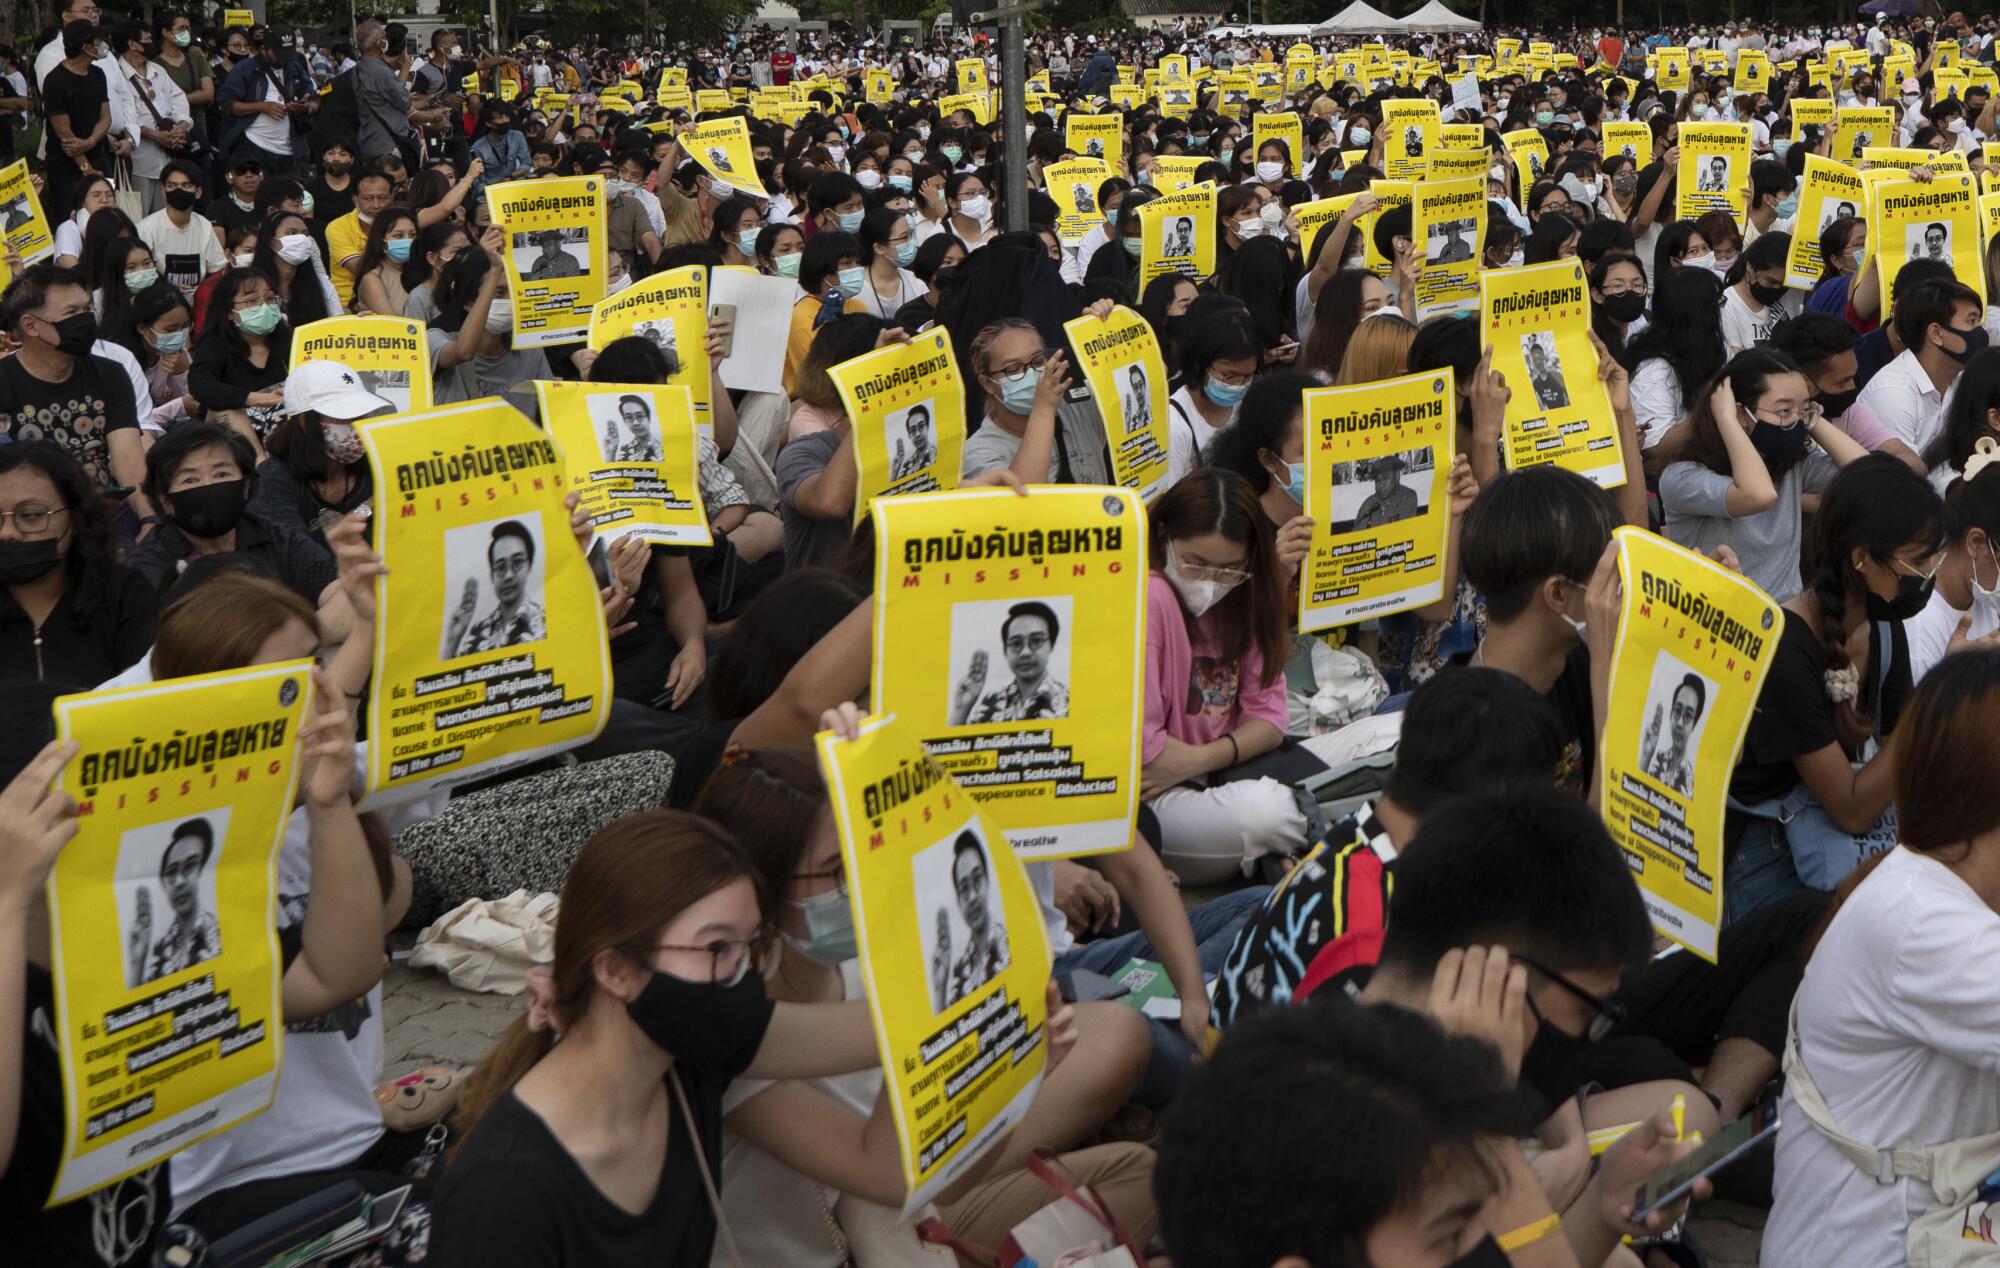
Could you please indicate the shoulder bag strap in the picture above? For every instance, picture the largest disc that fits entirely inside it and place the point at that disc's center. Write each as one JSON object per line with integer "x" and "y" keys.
{"x": 1885, "y": 1165}
{"x": 701, "y": 1161}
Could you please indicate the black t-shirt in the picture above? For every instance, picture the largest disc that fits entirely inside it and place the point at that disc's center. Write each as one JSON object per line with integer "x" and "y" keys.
{"x": 78, "y": 413}
{"x": 224, "y": 214}
{"x": 281, "y": 554}
{"x": 111, "y": 1228}
{"x": 330, "y": 204}
{"x": 1570, "y": 698}
{"x": 81, "y": 97}
{"x": 116, "y": 634}
{"x": 514, "y": 1195}
{"x": 1793, "y": 715}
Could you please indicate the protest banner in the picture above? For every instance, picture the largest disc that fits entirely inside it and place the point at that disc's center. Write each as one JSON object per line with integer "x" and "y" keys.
{"x": 1530, "y": 154}
{"x": 1926, "y": 220}
{"x": 1177, "y": 234}
{"x": 1989, "y": 215}
{"x": 1902, "y": 158}
{"x": 722, "y": 148}
{"x": 1753, "y": 71}
{"x": 1176, "y": 98}
{"x": 1458, "y": 165}
{"x": 554, "y": 254}
{"x": 1809, "y": 112}
{"x": 1536, "y": 321}
{"x": 1234, "y": 91}
{"x": 1098, "y": 136}
{"x": 389, "y": 355}
{"x": 1285, "y": 128}
{"x": 1120, "y": 361}
{"x": 952, "y": 949}
{"x": 671, "y": 310}
{"x": 977, "y": 104}
{"x": 1694, "y": 642}
{"x": 22, "y": 222}
{"x": 1855, "y": 128}
{"x": 1378, "y": 464}
{"x": 238, "y": 17}
{"x": 1448, "y": 222}
{"x": 1673, "y": 72}
{"x": 165, "y": 957}
{"x": 1633, "y": 140}
{"x": 489, "y": 637}
{"x": 631, "y": 452}
{"x": 1267, "y": 82}
{"x": 1831, "y": 189}
{"x": 1009, "y": 637}
{"x": 1173, "y": 66}
{"x": 1461, "y": 136}
{"x": 1409, "y": 134}
{"x": 1714, "y": 170}
{"x": 1074, "y": 185}
{"x": 1317, "y": 215}
{"x": 906, "y": 404}
{"x": 1175, "y": 172}
{"x": 971, "y": 74}
{"x": 1388, "y": 195}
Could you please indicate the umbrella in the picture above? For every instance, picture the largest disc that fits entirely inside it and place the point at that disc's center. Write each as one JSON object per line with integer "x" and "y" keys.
{"x": 1893, "y": 8}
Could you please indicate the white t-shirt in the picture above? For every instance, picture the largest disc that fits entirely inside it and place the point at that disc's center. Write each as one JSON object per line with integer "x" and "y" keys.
{"x": 185, "y": 256}
{"x": 1899, "y": 1026}
{"x": 273, "y": 136}
{"x": 69, "y": 237}
{"x": 885, "y": 303}
{"x": 1742, "y": 328}
{"x": 1930, "y": 630}
{"x": 1188, "y": 434}
{"x": 1656, "y": 400}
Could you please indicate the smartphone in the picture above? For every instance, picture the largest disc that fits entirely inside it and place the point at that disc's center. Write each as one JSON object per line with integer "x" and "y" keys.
{"x": 1081, "y": 986}
{"x": 1672, "y": 1182}
{"x": 726, "y": 312}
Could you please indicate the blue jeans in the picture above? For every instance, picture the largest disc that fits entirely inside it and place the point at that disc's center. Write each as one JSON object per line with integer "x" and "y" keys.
{"x": 1761, "y": 871}
{"x": 1215, "y": 925}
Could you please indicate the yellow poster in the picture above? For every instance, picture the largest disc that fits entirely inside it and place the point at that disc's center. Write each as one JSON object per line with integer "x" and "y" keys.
{"x": 1126, "y": 97}
{"x": 952, "y": 948}
{"x": 1530, "y": 154}
{"x": 1175, "y": 172}
{"x": 1753, "y": 71}
{"x": 387, "y": 354}
{"x": 712, "y": 101}
{"x": 1694, "y": 641}
{"x": 907, "y": 406}
{"x": 1810, "y": 112}
{"x": 1461, "y": 136}
{"x": 1855, "y": 128}
{"x": 971, "y": 74}
{"x": 722, "y": 148}
{"x": 238, "y": 17}
{"x": 631, "y": 452}
{"x": 1449, "y": 219}
{"x": 21, "y": 220}
{"x": 1672, "y": 73}
{"x": 1989, "y": 215}
{"x": 489, "y": 639}
{"x": 1830, "y": 190}
{"x": 1633, "y": 140}
{"x": 977, "y": 104}
{"x": 166, "y": 959}
{"x": 1234, "y": 91}
{"x": 511, "y": 88}
{"x": 1120, "y": 360}
{"x": 555, "y": 255}
{"x": 1935, "y": 220}
{"x": 1010, "y": 639}
{"x": 1177, "y": 235}
{"x": 1177, "y": 98}
{"x": 1074, "y": 185}
{"x": 1098, "y": 136}
{"x": 1714, "y": 171}
{"x": 1267, "y": 82}
{"x": 1536, "y": 321}
{"x": 1458, "y": 165}
{"x": 1314, "y": 218}
{"x": 1410, "y": 133}
{"x": 671, "y": 310}
{"x": 1388, "y": 195}
{"x": 1902, "y": 158}
{"x": 1281, "y": 126}
{"x": 1378, "y": 466}
{"x": 1174, "y": 66}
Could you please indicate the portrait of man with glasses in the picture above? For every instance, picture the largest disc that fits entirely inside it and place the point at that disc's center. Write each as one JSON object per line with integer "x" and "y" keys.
{"x": 1030, "y": 644}
{"x": 517, "y": 615}
{"x": 968, "y": 937}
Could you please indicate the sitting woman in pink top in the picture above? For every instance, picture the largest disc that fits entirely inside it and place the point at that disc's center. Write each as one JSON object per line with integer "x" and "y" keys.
{"x": 1216, "y": 641}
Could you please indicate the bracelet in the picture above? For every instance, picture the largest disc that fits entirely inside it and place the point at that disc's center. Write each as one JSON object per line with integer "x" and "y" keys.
{"x": 1529, "y": 1234}
{"x": 1235, "y": 753}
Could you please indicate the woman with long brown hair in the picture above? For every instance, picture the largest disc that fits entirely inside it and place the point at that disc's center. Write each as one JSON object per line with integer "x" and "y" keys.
{"x": 1895, "y": 1019}
{"x": 603, "y": 1149}
{"x": 1216, "y": 642}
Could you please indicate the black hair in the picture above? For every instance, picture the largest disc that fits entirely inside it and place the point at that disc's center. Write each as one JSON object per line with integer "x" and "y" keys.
{"x": 91, "y": 563}
{"x": 1918, "y": 307}
{"x": 200, "y": 830}
{"x": 1262, "y": 418}
{"x": 1875, "y": 505}
{"x": 175, "y": 447}
{"x": 30, "y": 289}
{"x": 1449, "y": 341}
{"x": 1546, "y": 239}
{"x": 1545, "y": 522}
{"x": 1685, "y": 328}
{"x": 1525, "y": 866}
{"x": 1039, "y": 610}
{"x": 1394, "y": 223}
{"x": 819, "y": 266}
{"x": 968, "y": 843}
{"x": 1812, "y": 339}
{"x": 776, "y": 629}
{"x": 1471, "y": 728}
{"x": 1220, "y": 336}
{"x": 515, "y": 529}
{"x": 1249, "y": 1132}
{"x": 1693, "y": 682}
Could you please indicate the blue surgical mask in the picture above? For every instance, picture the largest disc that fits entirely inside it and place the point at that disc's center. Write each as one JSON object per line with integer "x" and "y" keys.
{"x": 168, "y": 342}
{"x": 851, "y": 281}
{"x": 746, "y": 241}
{"x": 899, "y": 182}
{"x": 1296, "y": 485}
{"x": 829, "y": 929}
{"x": 906, "y": 252}
{"x": 1545, "y": 118}
{"x": 1131, "y": 247}
{"x": 787, "y": 265}
{"x": 1780, "y": 146}
{"x": 138, "y": 280}
{"x": 398, "y": 249}
{"x": 1018, "y": 393}
{"x": 850, "y": 221}
{"x": 1788, "y": 206}
{"x": 952, "y": 153}
{"x": 1224, "y": 394}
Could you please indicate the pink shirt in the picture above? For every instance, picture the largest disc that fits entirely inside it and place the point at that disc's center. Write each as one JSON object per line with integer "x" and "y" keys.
{"x": 1864, "y": 428}
{"x": 1190, "y": 695}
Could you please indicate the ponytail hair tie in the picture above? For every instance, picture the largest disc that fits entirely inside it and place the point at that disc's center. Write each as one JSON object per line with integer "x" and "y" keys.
{"x": 733, "y": 754}
{"x": 1985, "y": 452}
{"x": 541, "y": 991}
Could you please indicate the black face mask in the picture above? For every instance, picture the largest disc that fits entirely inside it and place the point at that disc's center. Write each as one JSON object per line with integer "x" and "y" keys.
{"x": 1627, "y": 308}
{"x": 181, "y": 199}
{"x": 1487, "y": 1254}
{"x": 1766, "y": 295}
{"x": 75, "y": 333}
{"x": 1974, "y": 341}
{"x": 1912, "y": 594}
{"x": 208, "y": 510}
{"x": 1556, "y": 1064}
{"x": 1834, "y": 404}
{"x": 25, "y": 561}
{"x": 702, "y": 1025}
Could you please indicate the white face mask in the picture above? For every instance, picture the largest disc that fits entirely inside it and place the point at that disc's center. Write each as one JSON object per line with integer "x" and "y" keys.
{"x": 500, "y": 316}
{"x": 869, "y": 178}
{"x": 1272, "y": 214}
{"x": 1249, "y": 228}
{"x": 1517, "y": 259}
{"x": 976, "y": 207}
{"x": 1198, "y": 594}
{"x": 244, "y": 260}
{"x": 295, "y": 248}
{"x": 1268, "y": 171}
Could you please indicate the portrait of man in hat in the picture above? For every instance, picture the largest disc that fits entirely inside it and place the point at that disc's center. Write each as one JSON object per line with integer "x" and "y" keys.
{"x": 1392, "y": 500}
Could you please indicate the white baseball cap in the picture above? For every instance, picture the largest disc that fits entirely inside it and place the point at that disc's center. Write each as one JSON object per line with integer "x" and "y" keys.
{"x": 331, "y": 390}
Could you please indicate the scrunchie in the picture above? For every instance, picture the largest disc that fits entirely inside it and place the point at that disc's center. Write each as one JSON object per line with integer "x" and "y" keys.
{"x": 1984, "y": 453}
{"x": 1843, "y": 685}
{"x": 541, "y": 990}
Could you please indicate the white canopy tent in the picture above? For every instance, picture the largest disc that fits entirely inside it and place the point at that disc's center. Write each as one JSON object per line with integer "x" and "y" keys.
{"x": 1435, "y": 19}
{"x": 1360, "y": 18}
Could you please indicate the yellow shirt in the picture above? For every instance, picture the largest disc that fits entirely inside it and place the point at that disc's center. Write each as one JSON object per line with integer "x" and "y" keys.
{"x": 799, "y": 341}
{"x": 345, "y": 237}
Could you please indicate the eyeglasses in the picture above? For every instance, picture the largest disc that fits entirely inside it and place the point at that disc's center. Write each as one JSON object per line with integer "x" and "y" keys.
{"x": 1026, "y": 642}
{"x": 1205, "y": 572}
{"x": 837, "y": 874}
{"x": 1790, "y": 418}
{"x": 729, "y": 959}
{"x": 1608, "y": 1014}
{"x": 31, "y": 517}
{"x": 1937, "y": 562}
{"x": 1015, "y": 369}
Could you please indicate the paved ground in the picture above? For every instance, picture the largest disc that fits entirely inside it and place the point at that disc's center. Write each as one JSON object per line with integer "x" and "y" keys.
{"x": 431, "y": 1021}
